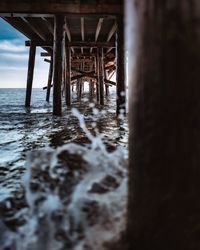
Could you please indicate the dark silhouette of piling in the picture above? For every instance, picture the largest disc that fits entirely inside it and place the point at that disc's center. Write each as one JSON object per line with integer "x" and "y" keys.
{"x": 57, "y": 63}
{"x": 164, "y": 204}
{"x": 31, "y": 63}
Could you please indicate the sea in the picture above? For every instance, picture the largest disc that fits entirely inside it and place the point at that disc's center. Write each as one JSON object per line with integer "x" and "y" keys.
{"x": 63, "y": 180}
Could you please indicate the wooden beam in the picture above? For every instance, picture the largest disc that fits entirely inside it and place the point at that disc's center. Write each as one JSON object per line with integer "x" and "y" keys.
{"x": 53, "y": 7}
{"x": 86, "y": 55}
{"x": 67, "y": 75}
{"x": 106, "y": 84}
{"x": 112, "y": 31}
{"x": 101, "y": 75}
{"x": 98, "y": 29}
{"x": 66, "y": 27}
{"x": 164, "y": 125}
{"x": 111, "y": 74}
{"x": 82, "y": 29}
{"x": 18, "y": 24}
{"x": 49, "y": 80}
{"x": 14, "y": 15}
{"x": 121, "y": 90}
{"x": 43, "y": 54}
{"x": 57, "y": 65}
{"x": 31, "y": 64}
{"x": 110, "y": 35}
{"x": 92, "y": 44}
{"x": 34, "y": 27}
{"x": 82, "y": 32}
{"x": 68, "y": 33}
{"x": 39, "y": 43}
{"x": 47, "y": 60}
{"x": 48, "y": 25}
{"x": 110, "y": 82}
{"x": 88, "y": 73}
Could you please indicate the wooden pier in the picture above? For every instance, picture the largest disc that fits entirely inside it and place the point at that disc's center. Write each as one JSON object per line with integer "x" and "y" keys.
{"x": 82, "y": 41}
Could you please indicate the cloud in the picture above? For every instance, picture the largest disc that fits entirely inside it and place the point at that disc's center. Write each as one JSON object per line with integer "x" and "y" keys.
{"x": 11, "y": 56}
{"x": 12, "y": 68}
{"x": 14, "y": 60}
{"x": 12, "y": 46}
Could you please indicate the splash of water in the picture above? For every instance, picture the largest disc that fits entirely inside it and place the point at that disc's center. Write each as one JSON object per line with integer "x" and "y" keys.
{"x": 75, "y": 195}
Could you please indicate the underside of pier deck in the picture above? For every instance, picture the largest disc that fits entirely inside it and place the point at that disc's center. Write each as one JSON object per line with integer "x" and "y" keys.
{"x": 82, "y": 41}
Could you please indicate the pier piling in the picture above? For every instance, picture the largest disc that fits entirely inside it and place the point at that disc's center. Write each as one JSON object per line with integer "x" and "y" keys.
{"x": 67, "y": 75}
{"x": 121, "y": 90}
{"x": 31, "y": 64}
{"x": 57, "y": 63}
{"x": 49, "y": 80}
{"x": 101, "y": 75}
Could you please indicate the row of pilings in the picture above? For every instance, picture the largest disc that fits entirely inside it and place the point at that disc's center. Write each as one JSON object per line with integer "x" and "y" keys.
{"x": 61, "y": 73}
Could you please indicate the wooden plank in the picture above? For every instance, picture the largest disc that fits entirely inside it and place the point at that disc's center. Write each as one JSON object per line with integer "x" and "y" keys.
{"x": 57, "y": 65}
{"x": 31, "y": 64}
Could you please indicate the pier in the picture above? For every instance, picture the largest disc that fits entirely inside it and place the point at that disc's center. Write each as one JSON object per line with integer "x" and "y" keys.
{"x": 85, "y": 41}
{"x": 82, "y": 41}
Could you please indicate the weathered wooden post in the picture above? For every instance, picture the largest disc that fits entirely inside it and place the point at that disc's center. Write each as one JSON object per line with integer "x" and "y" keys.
{"x": 106, "y": 85}
{"x": 121, "y": 87}
{"x": 57, "y": 63}
{"x": 101, "y": 75}
{"x": 91, "y": 87}
{"x": 164, "y": 145}
{"x": 49, "y": 79}
{"x": 31, "y": 64}
{"x": 67, "y": 74}
{"x": 80, "y": 82}
{"x": 97, "y": 73}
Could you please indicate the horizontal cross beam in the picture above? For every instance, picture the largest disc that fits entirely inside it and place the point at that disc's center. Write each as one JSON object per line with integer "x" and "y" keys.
{"x": 43, "y": 54}
{"x": 54, "y": 7}
{"x": 92, "y": 44}
{"x": 38, "y": 43}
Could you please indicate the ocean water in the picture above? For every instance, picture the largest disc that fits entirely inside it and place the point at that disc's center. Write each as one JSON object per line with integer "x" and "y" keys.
{"x": 73, "y": 167}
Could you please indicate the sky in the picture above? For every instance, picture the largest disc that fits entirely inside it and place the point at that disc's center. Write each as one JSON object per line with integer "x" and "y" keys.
{"x": 14, "y": 60}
